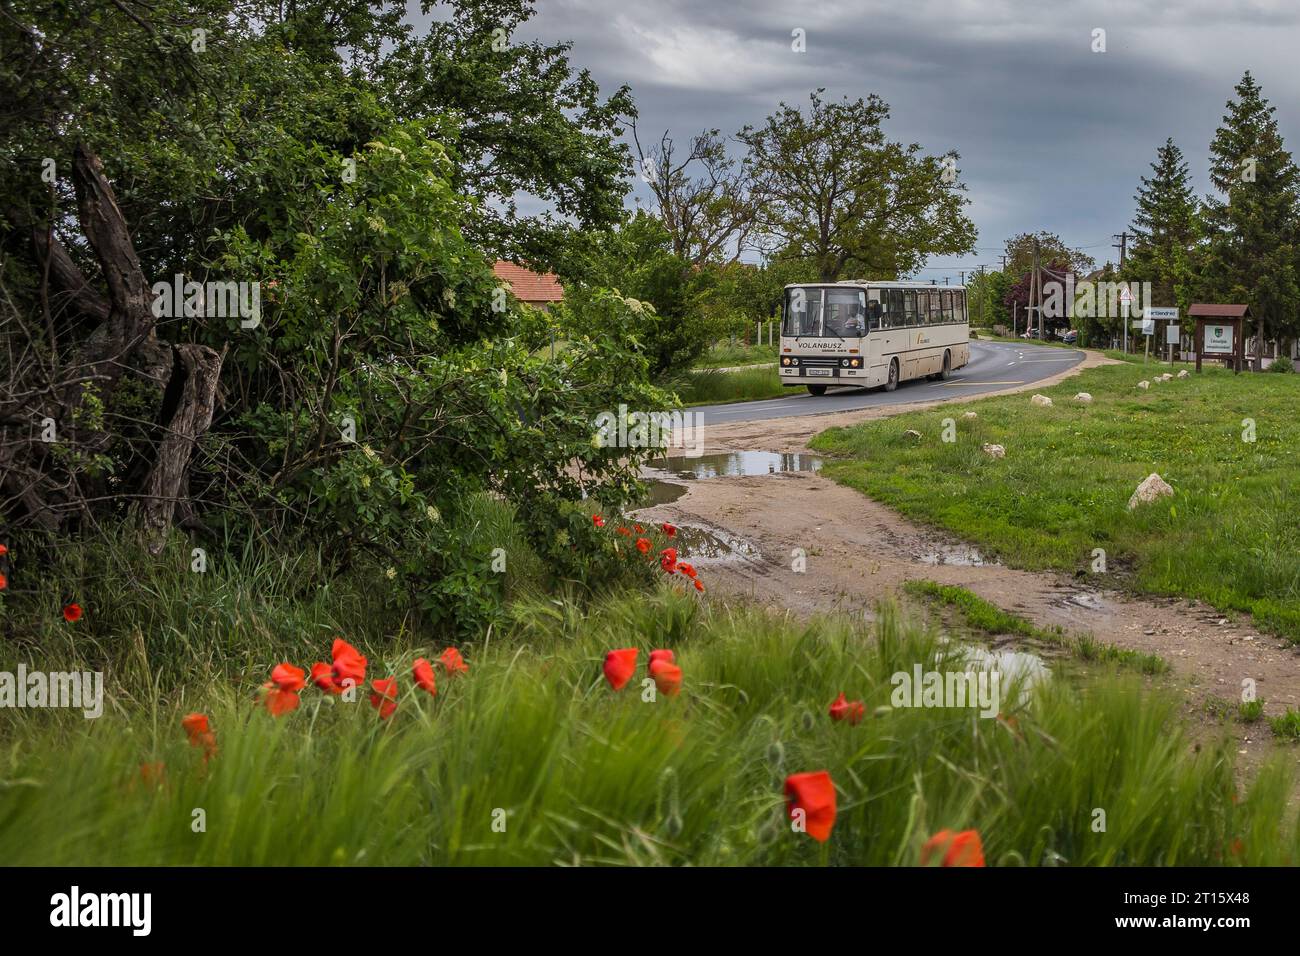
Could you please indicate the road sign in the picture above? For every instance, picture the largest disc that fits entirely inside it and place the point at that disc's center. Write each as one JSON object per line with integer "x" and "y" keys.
{"x": 1148, "y": 326}
{"x": 1160, "y": 312}
{"x": 1173, "y": 334}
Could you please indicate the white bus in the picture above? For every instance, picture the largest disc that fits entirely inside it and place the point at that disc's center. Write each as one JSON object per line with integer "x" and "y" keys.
{"x": 870, "y": 334}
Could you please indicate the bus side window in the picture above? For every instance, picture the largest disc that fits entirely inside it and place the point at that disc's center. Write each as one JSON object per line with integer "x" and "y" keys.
{"x": 909, "y": 307}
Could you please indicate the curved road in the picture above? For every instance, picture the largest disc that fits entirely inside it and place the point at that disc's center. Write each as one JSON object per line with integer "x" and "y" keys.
{"x": 992, "y": 366}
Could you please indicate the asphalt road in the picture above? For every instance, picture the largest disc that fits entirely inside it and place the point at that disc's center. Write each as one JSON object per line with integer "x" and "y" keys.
{"x": 993, "y": 365}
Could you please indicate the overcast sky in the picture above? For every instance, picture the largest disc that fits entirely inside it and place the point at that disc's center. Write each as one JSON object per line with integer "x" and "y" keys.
{"x": 1051, "y": 134}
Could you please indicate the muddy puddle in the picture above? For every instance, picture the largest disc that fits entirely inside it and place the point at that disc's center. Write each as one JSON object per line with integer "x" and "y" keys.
{"x": 730, "y": 464}
{"x": 957, "y": 555}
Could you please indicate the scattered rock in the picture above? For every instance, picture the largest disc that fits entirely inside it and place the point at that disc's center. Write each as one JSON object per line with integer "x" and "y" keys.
{"x": 1041, "y": 400}
{"x": 1144, "y": 384}
{"x": 969, "y": 415}
{"x": 1166, "y": 377}
{"x": 911, "y": 433}
{"x": 1152, "y": 488}
{"x": 1083, "y": 397}
{"x": 1184, "y": 374}
{"x": 994, "y": 451}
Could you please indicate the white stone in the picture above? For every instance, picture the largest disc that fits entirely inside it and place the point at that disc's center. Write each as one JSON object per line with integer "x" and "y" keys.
{"x": 994, "y": 451}
{"x": 1184, "y": 373}
{"x": 1144, "y": 384}
{"x": 969, "y": 415}
{"x": 1083, "y": 397}
{"x": 1041, "y": 400}
{"x": 1152, "y": 488}
{"x": 911, "y": 433}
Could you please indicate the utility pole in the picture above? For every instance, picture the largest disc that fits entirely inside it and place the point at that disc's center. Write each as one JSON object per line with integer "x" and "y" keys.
{"x": 1122, "y": 246}
{"x": 1035, "y": 292}
{"x": 981, "y": 297}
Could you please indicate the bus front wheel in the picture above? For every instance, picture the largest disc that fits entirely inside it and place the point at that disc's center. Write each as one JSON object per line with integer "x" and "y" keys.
{"x": 947, "y": 366}
{"x": 817, "y": 390}
{"x": 892, "y": 382}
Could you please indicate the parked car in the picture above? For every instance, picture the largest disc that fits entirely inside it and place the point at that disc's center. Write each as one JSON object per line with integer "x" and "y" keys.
{"x": 1070, "y": 336}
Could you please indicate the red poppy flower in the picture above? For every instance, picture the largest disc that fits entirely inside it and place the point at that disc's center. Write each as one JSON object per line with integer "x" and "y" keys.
{"x": 619, "y": 667}
{"x": 667, "y": 675}
{"x": 384, "y": 696}
{"x": 639, "y": 529}
{"x": 598, "y": 521}
{"x": 287, "y": 677}
{"x": 670, "y": 530}
{"x": 624, "y": 531}
{"x": 699, "y": 585}
{"x": 195, "y": 725}
{"x": 686, "y": 569}
{"x": 643, "y": 545}
{"x": 814, "y": 795}
{"x": 668, "y": 560}
{"x": 851, "y": 710}
{"x": 349, "y": 664}
{"x": 4, "y": 549}
{"x": 322, "y": 675}
{"x": 4, "y": 582}
{"x": 282, "y": 689}
{"x": 72, "y": 613}
{"x": 153, "y": 774}
{"x": 959, "y": 849}
{"x": 196, "y": 728}
{"x": 422, "y": 671}
{"x": 661, "y": 655}
{"x": 452, "y": 662}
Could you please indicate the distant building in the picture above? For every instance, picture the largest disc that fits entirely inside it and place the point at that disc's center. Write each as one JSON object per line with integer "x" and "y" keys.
{"x": 538, "y": 289}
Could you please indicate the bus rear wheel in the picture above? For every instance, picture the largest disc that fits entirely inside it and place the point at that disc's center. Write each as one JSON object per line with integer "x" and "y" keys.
{"x": 892, "y": 382}
{"x": 817, "y": 390}
{"x": 947, "y": 366}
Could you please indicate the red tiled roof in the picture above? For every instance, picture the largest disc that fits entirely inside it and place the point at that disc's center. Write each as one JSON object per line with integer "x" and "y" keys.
{"x": 529, "y": 286}
{"x": 1217, "y": 311}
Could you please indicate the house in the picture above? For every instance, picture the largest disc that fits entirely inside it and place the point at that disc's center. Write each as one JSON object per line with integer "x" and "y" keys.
{"x": 539, "y": 290}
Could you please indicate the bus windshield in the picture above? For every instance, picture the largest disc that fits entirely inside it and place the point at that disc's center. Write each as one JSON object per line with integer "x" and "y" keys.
{"x": 822, "y": 311}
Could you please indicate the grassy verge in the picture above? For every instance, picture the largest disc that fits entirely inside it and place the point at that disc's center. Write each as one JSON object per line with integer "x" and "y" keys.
{"x": 710, "y": 387}
{"x": 725, "y": 356}
{"x": 991, "y": 621}
{"x": 530, "y": 758}
{"x": 1230, "y": 535}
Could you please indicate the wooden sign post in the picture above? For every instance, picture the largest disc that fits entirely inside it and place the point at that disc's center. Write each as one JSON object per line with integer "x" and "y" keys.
{"x": 1220, "y": 333}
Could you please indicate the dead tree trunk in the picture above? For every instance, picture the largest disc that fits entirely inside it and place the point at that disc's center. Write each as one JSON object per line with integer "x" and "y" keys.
{"x": 123, "y": 341}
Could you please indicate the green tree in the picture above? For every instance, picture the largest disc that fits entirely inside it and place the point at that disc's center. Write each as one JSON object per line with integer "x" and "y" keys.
{"x": 830, "y": 189}
{"x": 1051, "y": 248}
{"x": 1251, "y": 224}
{"x": 1166, "y": 230}
{"x": 527, "y": 123}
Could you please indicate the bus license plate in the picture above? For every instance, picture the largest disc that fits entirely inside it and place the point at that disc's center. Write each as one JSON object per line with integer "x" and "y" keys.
{"x": 817, "y": 371}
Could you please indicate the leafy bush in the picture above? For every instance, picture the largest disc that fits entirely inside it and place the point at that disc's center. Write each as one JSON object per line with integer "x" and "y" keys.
{"x": 1281, "y": 364}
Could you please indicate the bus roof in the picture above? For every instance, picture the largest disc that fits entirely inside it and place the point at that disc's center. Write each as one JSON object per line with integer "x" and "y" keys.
{"x": 875, "y": 284}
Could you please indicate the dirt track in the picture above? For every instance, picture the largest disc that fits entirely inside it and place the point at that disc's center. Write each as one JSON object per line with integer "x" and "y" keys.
{"x": 858, "y": 551}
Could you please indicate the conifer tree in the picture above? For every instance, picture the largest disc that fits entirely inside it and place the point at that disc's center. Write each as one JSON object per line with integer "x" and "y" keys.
{"x": 1252, "y": 224}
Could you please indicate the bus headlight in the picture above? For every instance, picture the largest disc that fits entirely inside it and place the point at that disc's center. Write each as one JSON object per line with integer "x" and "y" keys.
{"x": 785, "y": 360}
{"x": 794, "y": 361}
{"x": 844, "y": 362}
{"x": 855, "y": 362}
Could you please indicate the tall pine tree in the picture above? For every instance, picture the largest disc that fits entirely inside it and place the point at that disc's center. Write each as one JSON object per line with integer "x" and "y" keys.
{"x": 1252, "y": 230}
{"x": 1165, "y": 230}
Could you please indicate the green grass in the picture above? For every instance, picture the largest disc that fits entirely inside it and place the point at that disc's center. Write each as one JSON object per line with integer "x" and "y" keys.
{"x": 1287, "y": 725}
{"x": 724, "y": 356}
{"x": 583, "y": 775}
{"x": 990, "y": 620}
{"x": 710, "y": 387}
{"x": 1229, "y": 536}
